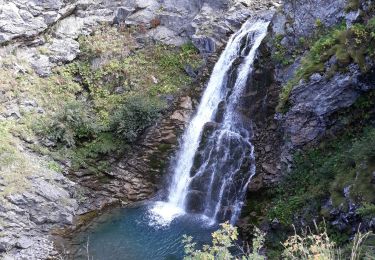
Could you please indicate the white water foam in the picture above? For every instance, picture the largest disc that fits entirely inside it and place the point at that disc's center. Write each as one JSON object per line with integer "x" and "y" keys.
{"x": 162, "y": 214}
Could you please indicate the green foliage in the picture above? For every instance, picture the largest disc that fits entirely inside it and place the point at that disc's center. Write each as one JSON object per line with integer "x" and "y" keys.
{"x": 346, "y": 44}
{"x": 87, "y": 155}
{"x": 54, "y": 166}
{"x": 137, "y": 113}
{"x": 15, "y": 166}
{"x": 310, "y": 246}
{"x": 367, "y": 210}
{"x": 73, "y": 123}
{"x": 280, "y": 54}
{"x": 307, "y": 246}
{"x": 223, "y": 241}
{"x": 7, "y": 149}
{"x": 348, "y": 161}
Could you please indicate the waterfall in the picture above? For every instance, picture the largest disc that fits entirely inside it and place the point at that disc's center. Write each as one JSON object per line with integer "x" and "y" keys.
{"x": 215, "y": 162}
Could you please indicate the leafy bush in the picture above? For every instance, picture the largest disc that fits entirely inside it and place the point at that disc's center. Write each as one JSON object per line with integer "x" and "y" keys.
{"x": 106, "y": 98}
{"x": 7, "y": 148}
{"x": 135, "y": 115}
{"x": 73, "y": 123}
{"x": 367, "y": 210}
{"x": 223, "y": 242}
{"x": 87, "y": 154}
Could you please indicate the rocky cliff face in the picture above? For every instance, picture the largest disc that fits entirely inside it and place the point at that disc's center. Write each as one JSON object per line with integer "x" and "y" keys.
{"x": 323, "y": 105}
{"x": 314, "y": 101}
{"x": 42, "y": 36}
{"x": 26, "y": 24}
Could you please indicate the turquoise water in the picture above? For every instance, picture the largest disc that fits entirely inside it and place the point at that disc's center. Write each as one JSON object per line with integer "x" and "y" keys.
{"x": 130, "y": 234}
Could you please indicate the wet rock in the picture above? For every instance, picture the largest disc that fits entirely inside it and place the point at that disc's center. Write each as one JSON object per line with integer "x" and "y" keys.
{"x": 352, "y": 17}
{"x": 26, "y": 20}
{"x": 181, "y": 115}
{"x": 315, "y": 77}
{"x": 4, "y": 244}
{"x": 190, "y": 71}
{"x": 195, "y": 201}
{"x": 17, "y": 199}
{"x": 12, "y": 111}
{"x": 170, "y": 139}
{"x": 30, "y": 103}
{"x": 275, "y": 224}
{"x": 220, "y": 112}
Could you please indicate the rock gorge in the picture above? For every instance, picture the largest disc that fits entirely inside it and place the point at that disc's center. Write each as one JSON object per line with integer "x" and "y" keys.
{"x": 312, "y": 84}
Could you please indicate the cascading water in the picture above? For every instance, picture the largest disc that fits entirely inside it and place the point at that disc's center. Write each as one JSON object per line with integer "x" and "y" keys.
{"x": 215, "y": 162}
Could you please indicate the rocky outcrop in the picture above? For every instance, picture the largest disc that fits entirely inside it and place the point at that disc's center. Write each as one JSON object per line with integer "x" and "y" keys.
{"x": 44, "y": 201}
{"x": 47, "y": 32}
{"x": 29, "y": 18}
{"x": 314, "y": 102}
{"x": 320, "y": 108}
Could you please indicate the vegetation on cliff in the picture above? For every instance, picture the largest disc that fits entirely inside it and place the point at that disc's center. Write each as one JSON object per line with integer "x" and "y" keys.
{"x": 345, "y": 44}
{"x": 103, "y": 101}
{"x": 326, "y": 172}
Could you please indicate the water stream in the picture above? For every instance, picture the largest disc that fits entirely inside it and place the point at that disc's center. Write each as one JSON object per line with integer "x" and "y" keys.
{"x": 211, "y": 176}
{"x": 210, "y": 172}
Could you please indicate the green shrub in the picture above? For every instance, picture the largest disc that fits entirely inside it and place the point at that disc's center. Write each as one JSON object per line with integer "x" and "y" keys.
{"x": 135, "y": 115}
{"x": 223, "y": 242}
{"x": 281, "y": 52}
{"x": 107, "y": 42}
{"x": 8, "y": 150}
{"x": 367, "y": 210}
{"x": 89, "y": 154}
{"x": 54, "y": 166}
{"x": 75, "y": 122}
